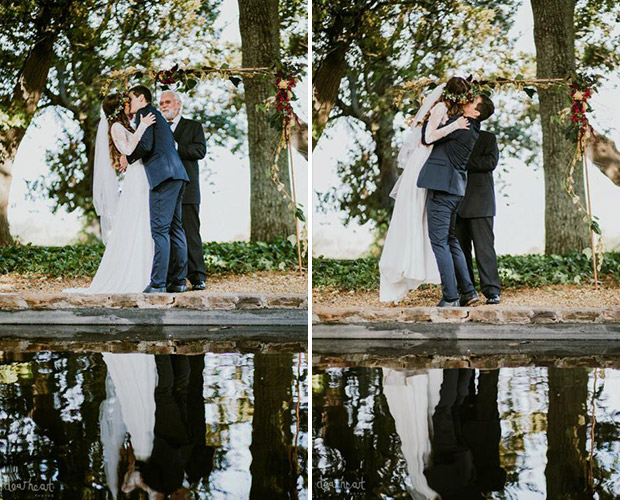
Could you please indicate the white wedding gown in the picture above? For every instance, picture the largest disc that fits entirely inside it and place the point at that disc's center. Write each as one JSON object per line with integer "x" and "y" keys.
{"x": 128, "y": 257}
{"x": 407, "y": 260}
{"x": 412, "y": 398}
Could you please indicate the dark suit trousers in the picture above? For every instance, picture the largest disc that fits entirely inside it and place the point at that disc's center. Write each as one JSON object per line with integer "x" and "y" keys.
{"x": 479, "y": 231}
{"x": 196, "y": 270}
{"x": 441, "y": 210}
{"x": 170, "y": 256}
{"x": 482, "y": 432}
{"x": 447, "y": 435}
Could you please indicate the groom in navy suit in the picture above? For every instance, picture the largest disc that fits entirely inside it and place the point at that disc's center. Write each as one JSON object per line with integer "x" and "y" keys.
{"x": 445, "y": 176}
{"x": 167, "y": 179}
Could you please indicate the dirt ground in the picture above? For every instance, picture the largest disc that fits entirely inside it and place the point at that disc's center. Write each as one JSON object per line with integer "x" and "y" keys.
{"x": 262, "y": 281}
{"x": 549, "y": 296}
{"x": 291, "y": 282}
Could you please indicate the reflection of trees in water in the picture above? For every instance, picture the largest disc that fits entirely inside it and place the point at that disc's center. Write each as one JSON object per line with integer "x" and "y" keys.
{"x": 545, "y": 421}
{"x": 273, "y": 473}
{"x": 607, "y": 433}
{"x": 62, "y": 402}
{"x": 566, "y": 434}
{"x": 552, "y": 409}
{"x": 228, "y": 394}
{"x": 354, "y": 436}
{"x": 49, "y": 413}
{"x": 523, "y": 410}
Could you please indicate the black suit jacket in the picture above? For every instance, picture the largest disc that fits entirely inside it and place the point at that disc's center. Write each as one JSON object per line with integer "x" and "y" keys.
{"x": 446, "y": 167}
{"x": 190, "y": 137}
{"x": 479, "y": 198}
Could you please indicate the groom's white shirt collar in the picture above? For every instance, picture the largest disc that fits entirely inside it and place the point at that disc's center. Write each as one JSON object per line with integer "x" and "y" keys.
{"x": 175, "y": 122}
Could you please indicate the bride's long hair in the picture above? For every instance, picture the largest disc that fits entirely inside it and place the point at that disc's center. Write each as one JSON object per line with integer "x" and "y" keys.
{"x": 454, "y": 95}
{"x": 114, "y": 107}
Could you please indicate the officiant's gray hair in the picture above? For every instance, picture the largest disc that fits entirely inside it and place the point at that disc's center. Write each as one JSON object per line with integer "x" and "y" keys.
{"x": 176, "y": 95}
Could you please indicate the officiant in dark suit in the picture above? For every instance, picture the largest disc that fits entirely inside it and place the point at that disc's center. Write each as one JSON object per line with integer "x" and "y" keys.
{"x": 474, "y": 221}
{"x": 191, "y": 146}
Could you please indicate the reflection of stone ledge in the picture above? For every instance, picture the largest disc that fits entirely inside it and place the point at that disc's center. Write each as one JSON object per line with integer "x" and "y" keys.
{"x": 196, "y": 301}
{"x": 493, "y": 315}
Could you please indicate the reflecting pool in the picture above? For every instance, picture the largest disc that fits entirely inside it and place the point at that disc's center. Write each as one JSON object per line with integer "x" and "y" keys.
{"x": 135, "y": 425}
{"x": 519, "y": 432}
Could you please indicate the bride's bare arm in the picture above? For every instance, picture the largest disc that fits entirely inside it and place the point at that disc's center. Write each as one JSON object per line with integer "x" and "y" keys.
{"x": 432, "y": 131}
{"x": 126, "y": 141}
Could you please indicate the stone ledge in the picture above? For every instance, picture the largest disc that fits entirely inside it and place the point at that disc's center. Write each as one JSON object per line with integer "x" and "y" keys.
{"x": 492, "y": 315}
{"x": 197, "y": 301}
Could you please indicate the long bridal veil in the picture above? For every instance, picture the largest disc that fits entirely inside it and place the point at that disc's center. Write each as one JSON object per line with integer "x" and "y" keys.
{"x": 413, "y": 139}
{"x": 105, "y": 184}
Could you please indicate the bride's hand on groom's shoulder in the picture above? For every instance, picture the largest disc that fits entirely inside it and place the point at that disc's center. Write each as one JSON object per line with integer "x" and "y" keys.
{"x": 147, "y": 120}
{"x": 462, "y": 122}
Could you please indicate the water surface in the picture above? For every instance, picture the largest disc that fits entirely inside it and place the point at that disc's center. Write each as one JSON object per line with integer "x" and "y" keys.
{"x": 219, "y": 424}
{"x": 522, "y": 432}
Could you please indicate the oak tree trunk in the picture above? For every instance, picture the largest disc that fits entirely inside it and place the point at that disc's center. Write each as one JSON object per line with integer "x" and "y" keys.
{"x": 554, "y": 36}
{"x": 271, "y": 216}
{"x": 387, "y": 159}
{"x": 25, "y": 98}
{"x": 325, "y": 84}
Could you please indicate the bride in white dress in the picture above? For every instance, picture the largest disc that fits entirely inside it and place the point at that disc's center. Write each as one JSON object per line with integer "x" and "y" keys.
{"x": 125, "y": 219}
{"x": 407, "y": 260}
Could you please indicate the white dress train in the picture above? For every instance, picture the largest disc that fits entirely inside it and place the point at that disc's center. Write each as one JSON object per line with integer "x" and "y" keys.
{"x": 411, "y": 400}
{"x": 128, "y": 257}
{"x": 407, "y": 260}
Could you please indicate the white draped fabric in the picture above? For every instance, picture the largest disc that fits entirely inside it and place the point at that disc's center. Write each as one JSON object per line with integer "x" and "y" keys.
{"x": 128, "y": 408}
{"x": 412, "y": 399}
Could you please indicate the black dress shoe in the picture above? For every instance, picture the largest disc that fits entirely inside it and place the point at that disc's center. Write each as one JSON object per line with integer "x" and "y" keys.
{"x": 201, "y": 285}
{"x": 448, "y": 303}
{"x": 177, "y": 288}
{"x": 469, "y": 298}
{"x": 493, "y": 299}
{"x": 154, "y": 289}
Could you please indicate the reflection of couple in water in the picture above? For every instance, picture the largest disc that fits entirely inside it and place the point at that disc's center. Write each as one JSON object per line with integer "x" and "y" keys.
{"x": 153, "y": 425}
{"x": 450, "y": 432}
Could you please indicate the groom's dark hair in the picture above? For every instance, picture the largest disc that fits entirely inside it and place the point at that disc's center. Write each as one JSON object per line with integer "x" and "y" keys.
{"x": 139, "y": 90}
{"x": 485, "y": 107}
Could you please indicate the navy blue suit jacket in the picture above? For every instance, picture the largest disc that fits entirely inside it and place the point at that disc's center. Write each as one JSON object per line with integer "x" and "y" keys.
{"x": 157, "y": 152}
{"x": 446, "y": 167}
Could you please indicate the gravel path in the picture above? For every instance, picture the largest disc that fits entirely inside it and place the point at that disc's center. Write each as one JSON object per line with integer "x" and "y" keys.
{"x": 550, "y": 296}
{"x": 262, "y": 281}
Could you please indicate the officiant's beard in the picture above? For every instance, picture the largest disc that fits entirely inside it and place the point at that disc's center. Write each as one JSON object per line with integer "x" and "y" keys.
{"x": 169, "y": 114}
